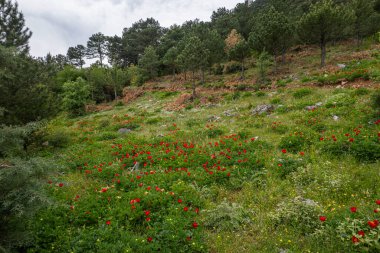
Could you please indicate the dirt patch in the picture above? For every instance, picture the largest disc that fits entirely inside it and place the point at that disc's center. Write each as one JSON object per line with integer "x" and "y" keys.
{"x": 180, "y": 102}
{"x": 98, "y": 108}
{"x": 131, "y": 94}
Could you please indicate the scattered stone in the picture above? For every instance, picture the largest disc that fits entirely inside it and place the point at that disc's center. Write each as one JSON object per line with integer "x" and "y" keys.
{"x": 341, "y": 66}
{"x": 124, "y": 131}
{"x": 45, "y": 144}
{"x": 313, "y": 107}
{"x": 336, "y": 118}
{"x": 261, "y": 109}
{"x": 229, "y": 113}
{"x": 161, "y": 136}
{"x": 213, "y": 118}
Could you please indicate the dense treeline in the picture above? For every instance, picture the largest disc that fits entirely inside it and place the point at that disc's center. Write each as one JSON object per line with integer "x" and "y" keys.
{"x": 147, "y": 50}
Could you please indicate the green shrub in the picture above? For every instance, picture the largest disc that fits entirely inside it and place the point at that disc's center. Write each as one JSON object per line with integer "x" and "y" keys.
{"x": 299, "y": 213}
{"x": 58, "y": 139}
{"x": 227, "y": 217}
{"x": 340, "y": 99}
{"x": 232, "y": 67}
{"x": 297, "y": 141}
{"x": 75, "y": 96}
{"x": 213, "y": 133}
{"x": 260, "y": 94}
{"x": 361, "y": 92}
{"x": 302, "y": 93}
{"x": 22, "y": 195}
{"x": 376, "y": 100}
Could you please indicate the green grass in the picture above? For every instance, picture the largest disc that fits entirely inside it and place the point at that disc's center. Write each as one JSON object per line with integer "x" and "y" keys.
{"x": 258, "y": 176}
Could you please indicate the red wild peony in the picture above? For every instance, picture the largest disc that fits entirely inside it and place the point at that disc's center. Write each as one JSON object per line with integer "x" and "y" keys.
{"x": 147, "y": 212}
{"x": 185, "y": 209}
{"x": 355, "y": 239}
{"x": 108, "y": 222}
{"x": 60, "y": 185}
{"x": 373, "y": 224}
{"x": 378, "y": 201}
{"x": 195, "y": 224}
{"x": 283, "y": 151}
{"x": 147, "y": 219}
{"x": 150, "y": 239}
{"x": 322, "y": 218}
{"x": 361, "y": 232}
{"x": 353, "y": 209}
{"x": 179, "y": 200}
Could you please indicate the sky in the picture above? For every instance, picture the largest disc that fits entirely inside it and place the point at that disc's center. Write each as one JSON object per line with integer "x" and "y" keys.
{"x": 59, "y": 24}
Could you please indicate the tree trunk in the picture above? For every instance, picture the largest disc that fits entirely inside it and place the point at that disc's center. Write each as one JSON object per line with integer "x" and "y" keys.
{"x": 115, "y": 92}
{"x": 323, "y": 53}
{"x": 283, "y": 57}
{"x": 173, "y": 74}
{"x": 242, "y": 77}
{"x": 194, "y": 94}
{"x": 275, "y": 62}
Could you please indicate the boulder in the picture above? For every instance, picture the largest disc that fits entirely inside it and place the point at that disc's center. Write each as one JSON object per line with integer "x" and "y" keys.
{"x": 261, "y": 109}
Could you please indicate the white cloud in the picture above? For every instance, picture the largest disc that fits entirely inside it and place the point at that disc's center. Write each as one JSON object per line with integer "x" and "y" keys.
{"x": 59, "y": 24}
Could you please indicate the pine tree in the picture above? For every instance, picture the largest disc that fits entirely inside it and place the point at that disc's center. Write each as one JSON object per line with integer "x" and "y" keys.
{"x": 272, "y": 31}
{"x": 325, "y": 22}
{"x": 97, "y": 47}
{"x": 149, "y": 62}
{"x": 13, "y": 32}
{"x": 194, "y": 57}
{"x": 76, "y": 55}
{"x": 237, "y": 49}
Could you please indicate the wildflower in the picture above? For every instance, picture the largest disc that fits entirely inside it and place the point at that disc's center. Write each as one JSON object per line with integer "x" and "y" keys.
{"x": 353, "y": 209}
{"x": 147, "y": 212}
{"x": 283, "y": 151}
{"x": 361, "y": 232}
{"x": 185, "y": 209}
{"x": 150, "y": 239}
{"x": 179, "y": 200}
{"x": 373, "y": 224}
{"x": 104, "y": 190}
{"x": 108, "y": 222}
{"x": 302, "y": 153}
{"x": 355, "y": 239}
{"x": 351, "y": 140}
{"x": 322, "y": 218}
{"x": 195, "y": 224}
{"x": 60, "y": 185}
{"x": 378, "y": 201}
{"x": 147, "y": 219}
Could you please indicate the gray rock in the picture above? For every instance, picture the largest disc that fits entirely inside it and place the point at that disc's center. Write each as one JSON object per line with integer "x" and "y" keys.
{"x": 229, "y": 113}
{"x": 336, "y": 118}
{"x": 261, "y": 109}
{"x": 311, "y": 107}
{"x": 319, "y": 104}
{"x": 45, "y": 144}
{"x": 213, "y": 118}
{"x": 124, "y": 131}
{"x": 341, "y": 66}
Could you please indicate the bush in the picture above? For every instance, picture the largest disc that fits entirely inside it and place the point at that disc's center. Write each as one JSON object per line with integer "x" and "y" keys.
{"x": 297, "y": 141}
{"x": 227, "y": 217}
{"x": 232, "y": 67}
{"x": 75, "y": 96}
{"x": 302, "y": 93}
{"x": 22, "y": 195}
{"x": 339, "y": 100}
{"x": 299, "y": 213}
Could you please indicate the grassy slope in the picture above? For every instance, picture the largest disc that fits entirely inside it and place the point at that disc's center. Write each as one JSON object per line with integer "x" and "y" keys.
{"x": 335, "y": 181}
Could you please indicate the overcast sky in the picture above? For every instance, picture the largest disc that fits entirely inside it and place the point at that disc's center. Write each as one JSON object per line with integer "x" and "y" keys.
{"x": 59, "y": 24}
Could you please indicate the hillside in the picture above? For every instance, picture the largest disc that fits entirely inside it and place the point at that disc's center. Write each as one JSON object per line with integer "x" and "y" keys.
{"x": 289, "y": 168}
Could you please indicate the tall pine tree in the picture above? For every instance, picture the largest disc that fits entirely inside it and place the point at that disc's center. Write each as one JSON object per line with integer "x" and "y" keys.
{"x": 13, "y": 32}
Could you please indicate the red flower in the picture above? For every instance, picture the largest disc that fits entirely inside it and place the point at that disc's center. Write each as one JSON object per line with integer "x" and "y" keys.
{"x": 197, "y": 210}
{"x": 283, "y": 151}
{"x": 322, "y": 218}
{"x": 376, "y": 210}
{"x": 179, "y": 200}
{"x": 60, "y": 185}
{"x": 280, "y": 165}
{"x": 195, "y": 224}
{"x": 108, "y": 222}
{"x": 147, "y": 212}
{"x": 302, "y": 153}
{"x": 373, "y": 224}
{"x": 150, "y": 239}
{"x": 355, "y": 239}
{"x": 185, "y": 209}
{"x": 378, "y": 201}
{"x": 321, "y": 139}
{"x": 147, "y": 219}
{"x": 361, "y": 232}
{"x": 104, "y": 189}
{"x": 353, "y": 209}
{"x": 351, "y": 140}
